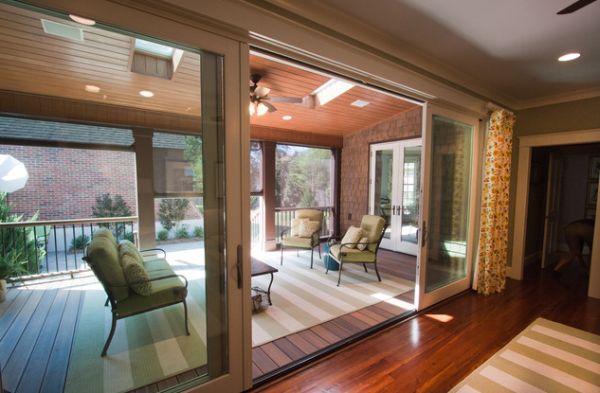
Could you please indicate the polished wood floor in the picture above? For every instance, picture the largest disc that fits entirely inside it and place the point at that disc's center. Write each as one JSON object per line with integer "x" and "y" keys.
{"x": 437, "y": 349}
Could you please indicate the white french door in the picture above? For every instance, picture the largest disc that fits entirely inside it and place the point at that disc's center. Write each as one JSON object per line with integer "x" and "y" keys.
{"x": 394, "y": 191}
{"x": 450, "y": 177}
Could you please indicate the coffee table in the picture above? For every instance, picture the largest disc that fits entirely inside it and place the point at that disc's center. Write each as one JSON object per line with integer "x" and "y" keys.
{"x": 259, "y": 268}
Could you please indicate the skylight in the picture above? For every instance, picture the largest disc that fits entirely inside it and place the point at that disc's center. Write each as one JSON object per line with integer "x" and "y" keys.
{"x": 331, "y": 89}
{"x": 154, "y": 48}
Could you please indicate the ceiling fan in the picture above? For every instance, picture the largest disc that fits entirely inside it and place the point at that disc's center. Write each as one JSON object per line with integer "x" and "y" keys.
{"x": 261, "y": 102}
{"x": 575, "y": 6}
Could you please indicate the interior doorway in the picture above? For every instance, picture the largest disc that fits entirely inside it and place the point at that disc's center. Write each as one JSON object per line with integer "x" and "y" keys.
{"x": 562, "y": 189}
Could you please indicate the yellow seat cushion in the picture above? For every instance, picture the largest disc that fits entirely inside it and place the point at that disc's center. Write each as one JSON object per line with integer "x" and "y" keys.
{"x": 297, "y": 241}
{"x": 351, "y": 254}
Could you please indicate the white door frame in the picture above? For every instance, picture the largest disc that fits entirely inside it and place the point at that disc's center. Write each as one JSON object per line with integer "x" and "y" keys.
{"x": 423, "y": 299}
{"x": 394, "y": 243}
{"x": 526, "y": 143}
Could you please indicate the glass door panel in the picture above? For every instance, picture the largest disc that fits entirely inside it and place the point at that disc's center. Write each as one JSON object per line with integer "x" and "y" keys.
{"x": 411, "y": 191}
{"x": 448, "y": 199}
{"x": 383, "y": 194}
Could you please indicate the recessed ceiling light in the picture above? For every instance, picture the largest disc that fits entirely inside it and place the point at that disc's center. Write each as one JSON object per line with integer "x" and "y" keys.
{"x": 92, "y": 88}
{"x": 82, "y": 20}
{"x": 360, "y": 103}
{"x": 286, "y": 117}
{"x": 146, "y": 93}
{"x": 569, "y": 56}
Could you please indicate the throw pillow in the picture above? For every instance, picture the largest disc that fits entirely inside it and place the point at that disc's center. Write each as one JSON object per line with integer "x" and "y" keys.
{"x": 295, "y": 226}
{"x": 352, "y": 236}
{"x": 136, "y": 276}
{"x": 128, "y": 248}
{"x": 307, "y": 228}
{"x": 363, "y": 243}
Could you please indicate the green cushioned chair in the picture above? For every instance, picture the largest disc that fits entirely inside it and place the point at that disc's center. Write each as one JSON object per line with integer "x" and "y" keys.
{"x": 373, "y": 228}
{"x": 307, "y": 241}
{"x": 167, "y": 288}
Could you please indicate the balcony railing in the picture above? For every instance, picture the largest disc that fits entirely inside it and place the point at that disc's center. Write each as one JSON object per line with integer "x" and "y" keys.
{"x": 57, "y": 246}
{"x": 284, "y": 215}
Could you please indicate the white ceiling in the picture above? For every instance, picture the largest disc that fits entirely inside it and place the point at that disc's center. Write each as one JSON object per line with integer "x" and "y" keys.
{"x": 509, "y": 47}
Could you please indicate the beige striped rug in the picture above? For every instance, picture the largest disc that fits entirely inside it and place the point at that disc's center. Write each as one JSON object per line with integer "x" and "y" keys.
{"x": 545, "y": 357}
{"x": 304, "y": 297}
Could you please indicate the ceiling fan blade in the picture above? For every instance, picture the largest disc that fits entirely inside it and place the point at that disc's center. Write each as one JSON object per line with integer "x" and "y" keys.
{"x": 270, "y": 106}
{"x": 574, "y": 7}
{"x": 261, "y": 91}
{"x": 289, "y": 100}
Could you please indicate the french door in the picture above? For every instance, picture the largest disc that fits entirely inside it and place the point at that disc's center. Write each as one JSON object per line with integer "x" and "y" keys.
{"x": 450, "y": 176}
{"x": 395, "y": 178}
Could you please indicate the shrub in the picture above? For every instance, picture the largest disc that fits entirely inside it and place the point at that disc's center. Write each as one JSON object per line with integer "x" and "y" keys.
{"x": 163, "y": 235}
{"x": 79, "y": 242}
{"x": 12, "y": 264}
{"x": 198, "y": 232}
{"x": 129, "y": 236}
{"x": 171, "y": 212}
{"x": 182, "y": 233}
{"x": 106, "y": 206}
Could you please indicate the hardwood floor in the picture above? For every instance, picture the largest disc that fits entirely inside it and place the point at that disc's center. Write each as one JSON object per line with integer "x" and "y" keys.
{"x": 434, "y": 351}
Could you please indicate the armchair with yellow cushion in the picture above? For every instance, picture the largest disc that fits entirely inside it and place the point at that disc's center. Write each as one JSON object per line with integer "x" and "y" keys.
{"x": 304, "y": 232}
{"x": 359, "y": 245}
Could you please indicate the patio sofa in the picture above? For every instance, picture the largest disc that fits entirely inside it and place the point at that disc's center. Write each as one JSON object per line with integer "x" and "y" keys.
{"x": 133, "y": 283}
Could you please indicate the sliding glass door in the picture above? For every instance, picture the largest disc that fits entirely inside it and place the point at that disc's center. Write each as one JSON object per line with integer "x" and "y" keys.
{"x": 449, "y": 197}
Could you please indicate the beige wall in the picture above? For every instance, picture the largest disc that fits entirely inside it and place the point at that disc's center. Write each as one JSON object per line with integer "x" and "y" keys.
{"x": 568, "y": 116}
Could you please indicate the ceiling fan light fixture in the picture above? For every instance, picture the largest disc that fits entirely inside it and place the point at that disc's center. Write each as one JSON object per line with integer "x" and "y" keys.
{"x": 569, "y": 56}
{"x": 261, "y": 109}
{"x": 252, "y": 109}
{"x": 82, "y": 20}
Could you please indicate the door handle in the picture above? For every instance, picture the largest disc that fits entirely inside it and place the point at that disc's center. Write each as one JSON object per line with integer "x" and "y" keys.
{"x": 238, "y": 265}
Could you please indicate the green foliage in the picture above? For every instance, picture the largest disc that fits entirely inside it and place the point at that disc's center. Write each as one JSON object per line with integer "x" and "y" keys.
{"x": 163, "y": 235}
{"x": 129, "y": 236}
{"x": 13, "y": 264}
{"x": 19, "y": 243}
{"x": 106, "y": 206}
{"x": 182, "y": 233}
{"x": 79, "y": 242}
{"x": 193, "y": 155}
{"x": 172, "y": 211}
{"x": 198, "y": 232}
{"x": 303, "y": 176}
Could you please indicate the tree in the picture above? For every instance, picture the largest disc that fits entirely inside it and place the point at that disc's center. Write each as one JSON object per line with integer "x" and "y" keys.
{"x": 193, "y": 154}
{"x": 19, "y": 242}
{"x": 172, "y": 211}
{"x": 106, "y": 206}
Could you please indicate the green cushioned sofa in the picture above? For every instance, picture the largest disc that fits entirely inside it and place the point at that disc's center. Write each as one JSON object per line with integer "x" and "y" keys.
{"x": 162, "y": 287}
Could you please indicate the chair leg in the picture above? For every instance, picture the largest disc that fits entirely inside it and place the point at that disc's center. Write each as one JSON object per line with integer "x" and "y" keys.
{"x": 110, "y": 336}
{"x": 106, "y": 303}
{"x": 320, "y": 257}
{"x": 281, "y": 260}
{"x": 340, "y": 275}
{"x": 377, "y": 271}
{"x": 312, "y": 250}
{"x": 365, "y": 266}
{"x": 185, "y": 312}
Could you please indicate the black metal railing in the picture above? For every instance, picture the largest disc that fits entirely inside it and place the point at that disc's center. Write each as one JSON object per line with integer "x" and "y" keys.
{"x": 284, "y": 215}
{"x": 57, "y": 246}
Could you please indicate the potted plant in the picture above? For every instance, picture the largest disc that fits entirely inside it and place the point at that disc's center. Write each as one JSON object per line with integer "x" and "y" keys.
{"x": 12, "y": 264}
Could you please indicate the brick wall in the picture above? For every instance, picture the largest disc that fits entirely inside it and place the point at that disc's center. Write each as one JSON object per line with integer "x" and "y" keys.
{"x": 355, "y": 161}
{"x": 64, "y": 183}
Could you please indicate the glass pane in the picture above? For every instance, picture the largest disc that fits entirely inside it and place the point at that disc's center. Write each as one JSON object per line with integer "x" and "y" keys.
{"x": 411, "y": 186}
{"x": 449, "y": 203}
{"x": 256, "y": 167}
{"x": 177, "y": 163}
{"x": 304, "y": 176}
{"x": 382, "y": 201}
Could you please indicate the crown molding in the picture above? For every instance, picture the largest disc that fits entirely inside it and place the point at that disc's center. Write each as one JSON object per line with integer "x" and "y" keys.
{"x": 559, "y": 98}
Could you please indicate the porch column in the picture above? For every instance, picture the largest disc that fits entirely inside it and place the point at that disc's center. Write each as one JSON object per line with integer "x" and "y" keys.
{"x": 145, "y": 186}
{"x": 269, "y": 194}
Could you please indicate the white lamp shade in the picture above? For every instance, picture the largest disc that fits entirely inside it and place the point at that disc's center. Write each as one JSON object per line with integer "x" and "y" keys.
{"x": 13, "y": 174}
{"x": 261, "y": 109}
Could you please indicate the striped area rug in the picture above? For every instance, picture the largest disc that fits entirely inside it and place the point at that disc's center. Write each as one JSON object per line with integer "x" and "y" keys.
{"x": 146, "y": 348}
{"x": 546, "y": 357}
{"x": 304, "y": 297}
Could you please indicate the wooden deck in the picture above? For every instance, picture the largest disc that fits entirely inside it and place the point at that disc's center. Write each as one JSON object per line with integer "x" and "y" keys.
{"x": 432, "y": 354}
{"x": 37, "y": 327}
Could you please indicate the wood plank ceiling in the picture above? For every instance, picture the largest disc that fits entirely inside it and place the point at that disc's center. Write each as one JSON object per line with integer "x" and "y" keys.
{"x": 32, "y": 61}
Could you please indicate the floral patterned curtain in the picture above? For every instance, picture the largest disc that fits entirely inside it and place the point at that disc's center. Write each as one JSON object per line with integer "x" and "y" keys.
{"x": 493, "y": 238}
